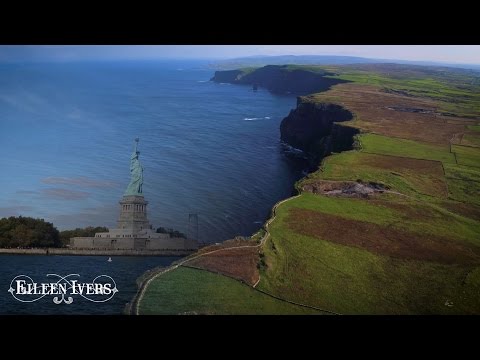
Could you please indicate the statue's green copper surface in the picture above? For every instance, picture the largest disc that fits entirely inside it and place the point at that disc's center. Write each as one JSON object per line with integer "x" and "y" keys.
{"x": 136, "y": 173}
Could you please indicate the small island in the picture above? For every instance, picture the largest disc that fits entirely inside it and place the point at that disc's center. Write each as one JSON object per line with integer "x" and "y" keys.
{"x": 133, "y": 236}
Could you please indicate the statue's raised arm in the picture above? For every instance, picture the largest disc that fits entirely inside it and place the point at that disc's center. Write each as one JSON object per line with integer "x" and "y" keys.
{"x": 135, "y": 145}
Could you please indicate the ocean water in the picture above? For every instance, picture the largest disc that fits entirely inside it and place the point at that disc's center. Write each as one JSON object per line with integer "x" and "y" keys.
{"x": 211, "y": 149}
{"x": 67, "y": 132}
{"x": 124, "y": 270}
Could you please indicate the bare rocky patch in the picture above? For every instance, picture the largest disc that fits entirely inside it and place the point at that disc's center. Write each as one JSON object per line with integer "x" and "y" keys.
{"x": 411, "y": 110}
{"x": 345, "y": 188}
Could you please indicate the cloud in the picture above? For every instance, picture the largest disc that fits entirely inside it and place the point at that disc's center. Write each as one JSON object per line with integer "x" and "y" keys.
{"x": 25, "y": 100}
{"x": 90, "y": 209}
{"x": 15, "y": 210}
{"x": 64, "y": 194}
{"x": 26, "y": 192}
{"x": 101, "y": 216}
{"x": 79, "y": 181}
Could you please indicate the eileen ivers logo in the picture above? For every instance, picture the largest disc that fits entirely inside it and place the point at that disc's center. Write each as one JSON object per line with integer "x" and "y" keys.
{"x": 63, "y": 289}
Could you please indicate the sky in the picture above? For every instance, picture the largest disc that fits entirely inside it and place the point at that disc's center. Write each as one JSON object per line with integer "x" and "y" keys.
{"x": 461, "y": 54}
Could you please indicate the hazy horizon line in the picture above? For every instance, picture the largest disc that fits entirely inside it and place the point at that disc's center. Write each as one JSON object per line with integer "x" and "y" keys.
{"x": 223, "y": 59}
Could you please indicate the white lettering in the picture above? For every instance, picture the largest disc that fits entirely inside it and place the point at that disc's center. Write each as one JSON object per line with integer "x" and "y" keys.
{"x": 70, "y": 287}
{"x": 21, "y": 287}
{"x": 90, "y": 289}
{"x": 45, "y": 288}
{"x": 62, "y": 288}
{"x": 107, "y": 289}
{"x": 32, "y": 289}
{"x": 53, "y": 289}
{"x": 77, "y": 288}
{"x": 99, "y": 289}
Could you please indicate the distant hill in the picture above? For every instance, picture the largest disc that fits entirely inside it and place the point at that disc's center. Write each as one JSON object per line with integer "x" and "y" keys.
{"x": 321, "y": 60}
{"x": 290, "y": 59}
{"x": 295, "y": 79}
{"x": 305, "y": 79}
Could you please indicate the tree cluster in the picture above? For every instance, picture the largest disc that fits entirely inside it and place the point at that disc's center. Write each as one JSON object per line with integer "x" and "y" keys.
{"x": 27, "y": 232}
{"x": 173, "y": 233}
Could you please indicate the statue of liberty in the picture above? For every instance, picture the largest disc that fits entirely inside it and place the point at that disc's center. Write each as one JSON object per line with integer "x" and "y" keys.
{"x": 136, "y": 173}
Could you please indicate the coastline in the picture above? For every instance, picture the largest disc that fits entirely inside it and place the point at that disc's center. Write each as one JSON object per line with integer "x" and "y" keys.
{"x": 77, "y": 252}
{"x": 338, "y": 230}
{"x": 132, "y": 307}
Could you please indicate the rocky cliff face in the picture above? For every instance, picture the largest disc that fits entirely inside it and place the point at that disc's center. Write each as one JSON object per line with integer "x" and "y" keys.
{"x": 312, "y": 128}
{"x": 229, "y": 76}
{"x": 280, "y": 79}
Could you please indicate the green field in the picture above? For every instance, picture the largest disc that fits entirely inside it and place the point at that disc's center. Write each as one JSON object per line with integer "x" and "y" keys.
{"x": 436, "y": 84}
{"x": 471, "y": 140}
{"x": 412, "y": 250}
{"x": 464, "y": 191}
{"x": 463, "y": 183}
{"x": 429, "y": 219}
{"x": 468, "y": 156}
{"x": 466, "y": 173}
{"x": 349, "y": 280}
{"x": 411, "y": 177}
{"x": 377, "y": 144}
{"x": 193, "y": 291}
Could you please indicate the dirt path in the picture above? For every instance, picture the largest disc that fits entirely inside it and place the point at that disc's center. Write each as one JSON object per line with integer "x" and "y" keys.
{"x": 136, "y": 302}
{"x": 143, "y": 287}
{"x": 138, "y": 298}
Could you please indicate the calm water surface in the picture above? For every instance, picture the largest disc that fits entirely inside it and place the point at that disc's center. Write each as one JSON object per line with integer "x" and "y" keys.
{"x": 212, "y": 149}
{"x": 123, "y": 269}
{"x": 67, "y": 130}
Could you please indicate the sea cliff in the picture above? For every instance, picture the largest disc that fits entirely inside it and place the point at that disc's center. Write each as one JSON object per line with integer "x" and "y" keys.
{"x": 281, "y": 79}
{"x": 315, "y": 129}
{"x": 393, "y": 224}
{"x": 311, "y": 127}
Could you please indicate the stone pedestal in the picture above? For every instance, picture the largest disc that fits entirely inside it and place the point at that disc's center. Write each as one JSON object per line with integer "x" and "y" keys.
{"x": 133, "y": 230}
{"x": 133, "y": 214}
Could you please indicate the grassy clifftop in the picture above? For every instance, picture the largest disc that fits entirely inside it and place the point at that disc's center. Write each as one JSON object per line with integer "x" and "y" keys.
{"x": 389, "y": 227}
{"x": 282, "y": 78}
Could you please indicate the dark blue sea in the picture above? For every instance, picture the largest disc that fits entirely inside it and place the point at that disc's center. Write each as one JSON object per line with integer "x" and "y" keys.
{"x": 124, "y": 270}
{"x": 67, "y": 131}
{"x": 212, "y": 149}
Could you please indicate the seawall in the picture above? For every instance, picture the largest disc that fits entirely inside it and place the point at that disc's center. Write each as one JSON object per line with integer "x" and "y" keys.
{"x": 92, "y": 252}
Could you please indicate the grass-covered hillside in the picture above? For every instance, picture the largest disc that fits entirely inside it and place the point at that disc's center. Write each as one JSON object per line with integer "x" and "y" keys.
{"x": 391, "y": 226}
